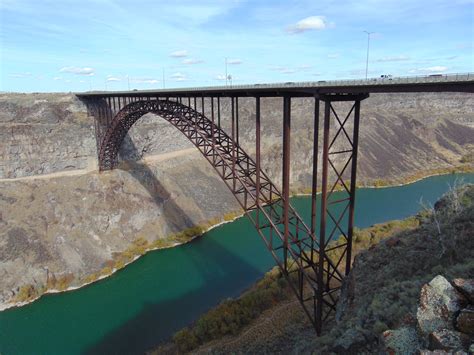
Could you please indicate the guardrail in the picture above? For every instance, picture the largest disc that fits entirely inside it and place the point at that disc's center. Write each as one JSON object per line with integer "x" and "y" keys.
{"x": 369, "y": 81}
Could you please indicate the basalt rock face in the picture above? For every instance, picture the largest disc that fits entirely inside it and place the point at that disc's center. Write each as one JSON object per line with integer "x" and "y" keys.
{"x": 44, "y": 133}
{"x": 74, "y": 219}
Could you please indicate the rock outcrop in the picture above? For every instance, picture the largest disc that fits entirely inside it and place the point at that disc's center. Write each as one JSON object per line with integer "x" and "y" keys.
{"x": 444, "y": 322}
{"x": 439, "y": 302}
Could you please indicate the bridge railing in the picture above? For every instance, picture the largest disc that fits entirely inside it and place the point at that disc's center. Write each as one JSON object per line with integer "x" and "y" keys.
{"x": 416, "y": 79}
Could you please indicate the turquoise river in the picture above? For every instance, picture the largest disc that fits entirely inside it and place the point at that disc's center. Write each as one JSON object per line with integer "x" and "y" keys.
{"x": 165, "y": 290}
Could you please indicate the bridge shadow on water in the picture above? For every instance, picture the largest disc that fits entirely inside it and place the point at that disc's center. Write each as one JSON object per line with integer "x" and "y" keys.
{"x": 221, "y": 273}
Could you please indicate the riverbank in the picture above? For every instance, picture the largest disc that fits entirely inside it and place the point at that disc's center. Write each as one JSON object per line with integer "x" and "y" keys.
{"x": 410, "y": 179}
{"x": 28, "y": 293}
{"x": 186, "y": 236}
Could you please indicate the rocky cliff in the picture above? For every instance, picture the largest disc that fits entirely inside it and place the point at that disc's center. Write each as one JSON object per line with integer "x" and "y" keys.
{"x": 59, "y": 216}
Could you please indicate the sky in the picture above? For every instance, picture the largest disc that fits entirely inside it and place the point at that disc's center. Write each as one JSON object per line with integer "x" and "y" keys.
{"x": 51, "y": 46}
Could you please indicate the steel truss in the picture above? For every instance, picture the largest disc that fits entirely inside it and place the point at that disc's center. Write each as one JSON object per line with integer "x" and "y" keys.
{"x": 313, "y": 266}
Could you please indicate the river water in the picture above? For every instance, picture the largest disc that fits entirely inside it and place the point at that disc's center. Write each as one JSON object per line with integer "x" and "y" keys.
{"x": 165, "y": 290}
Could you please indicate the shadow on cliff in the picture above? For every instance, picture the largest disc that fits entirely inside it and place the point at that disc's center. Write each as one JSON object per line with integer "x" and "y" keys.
{"x": 144, "y": 175}
{"x": 220, "y": 273}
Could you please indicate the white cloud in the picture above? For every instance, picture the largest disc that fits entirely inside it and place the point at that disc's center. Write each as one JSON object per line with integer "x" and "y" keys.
{"x": 220, "y": 77}
{"x": 57, "y": 78}
{"x": 430, "y": 70}
{"x": 179, "y": 54}
{"x": 77, "y": 70}
{"x": 307, "y": 24}
{"x": 234, "y": 61}
{"x": 113, "y": 78}
{"x": 192, "y": 61}
{"x": 398, "y": 58}
{"x": 21, "y": 75}
{"x": 179, "y": 76}
{"x": 333, "y": 55}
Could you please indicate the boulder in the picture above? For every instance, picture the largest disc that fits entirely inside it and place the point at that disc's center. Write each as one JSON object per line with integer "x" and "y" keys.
{"x": 439, "y": 302}
{"x": 403, "y": 340}
{"x": 466, "y": 287}
{"x": 465, "y": 320}
{"x": 449, "y": 340}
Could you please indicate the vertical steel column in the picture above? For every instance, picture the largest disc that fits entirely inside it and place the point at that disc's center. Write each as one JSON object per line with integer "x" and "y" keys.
{"x": 355, "y": 146}
{"x": 322, "y": 232}
{"x": 213, "y": 131}
{"x": 218, "y": 112}
{"x": 286, "y": 175}
{"x": 233, "y": 138}
{"x": 237, "y": 119}
{"x": 195, "y": 116}
{"x": 257, "y": 157}
{"x": 93, "y": 106}
{"x": 314, "y": 185}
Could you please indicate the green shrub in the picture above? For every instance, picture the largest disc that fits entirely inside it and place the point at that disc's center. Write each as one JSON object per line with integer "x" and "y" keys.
{"x": 229, "y": 317}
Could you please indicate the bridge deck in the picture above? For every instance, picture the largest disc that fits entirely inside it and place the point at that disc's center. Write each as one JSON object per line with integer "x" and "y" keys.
{"x": 433, "y": 83}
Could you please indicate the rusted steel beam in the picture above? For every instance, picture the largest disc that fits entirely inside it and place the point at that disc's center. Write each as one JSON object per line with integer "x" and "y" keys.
{"x": 257, "y": 158}
{"x": 314, "y": 182}
{"x": 322, "y": 231}
{"x": 286, "y": 174}
{"x": 355, "y": 147}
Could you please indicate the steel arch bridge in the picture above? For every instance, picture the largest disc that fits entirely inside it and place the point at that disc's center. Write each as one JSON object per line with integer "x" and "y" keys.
{"x": 311, "y": 262}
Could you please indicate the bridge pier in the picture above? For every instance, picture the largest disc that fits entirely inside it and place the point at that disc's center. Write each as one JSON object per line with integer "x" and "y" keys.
{"x": 338, "y": 210}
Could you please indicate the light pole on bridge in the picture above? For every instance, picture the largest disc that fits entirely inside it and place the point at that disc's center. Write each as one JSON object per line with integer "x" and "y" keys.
{"x": 367, "y": 61}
